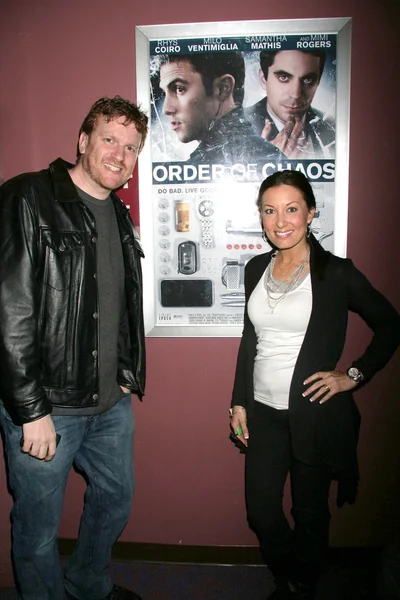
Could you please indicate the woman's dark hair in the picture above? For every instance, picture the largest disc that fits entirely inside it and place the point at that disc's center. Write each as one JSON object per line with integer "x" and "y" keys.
{"x": 295, "y": 179}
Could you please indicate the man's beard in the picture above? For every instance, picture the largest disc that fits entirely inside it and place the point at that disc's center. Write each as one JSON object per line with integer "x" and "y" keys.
{"x": 96, "y": 176}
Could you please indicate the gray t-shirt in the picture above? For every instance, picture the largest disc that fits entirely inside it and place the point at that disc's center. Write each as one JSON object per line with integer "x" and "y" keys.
{"x": 112, "y": 306}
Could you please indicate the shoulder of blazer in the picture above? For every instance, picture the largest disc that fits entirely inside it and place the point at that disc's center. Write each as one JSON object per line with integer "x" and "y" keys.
{"x": 324, "y": 264}
{"x": 257, "y": 264}
{"x": 254, "y": 270}
{"x": 258, "y": 261}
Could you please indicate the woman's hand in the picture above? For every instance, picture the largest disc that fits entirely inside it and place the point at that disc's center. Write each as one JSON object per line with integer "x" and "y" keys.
{"x": 239, "y": 423}
{"x": 327, "y": 384}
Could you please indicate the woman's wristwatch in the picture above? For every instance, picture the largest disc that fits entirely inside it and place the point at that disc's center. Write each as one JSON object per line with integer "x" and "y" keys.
{"x": 355, "y": 375}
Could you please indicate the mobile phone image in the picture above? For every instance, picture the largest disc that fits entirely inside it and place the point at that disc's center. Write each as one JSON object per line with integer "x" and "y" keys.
{"x": 187, "y": 292}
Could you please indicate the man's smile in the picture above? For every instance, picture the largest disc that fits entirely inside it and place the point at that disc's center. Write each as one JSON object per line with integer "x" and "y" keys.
{"x": 113, "y": 167}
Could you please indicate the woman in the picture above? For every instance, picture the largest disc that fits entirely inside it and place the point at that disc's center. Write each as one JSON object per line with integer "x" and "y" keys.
{"x": 290, "y": 406}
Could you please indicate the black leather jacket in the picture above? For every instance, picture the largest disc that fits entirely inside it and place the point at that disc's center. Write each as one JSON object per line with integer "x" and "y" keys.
{"x": 48, "y": 297}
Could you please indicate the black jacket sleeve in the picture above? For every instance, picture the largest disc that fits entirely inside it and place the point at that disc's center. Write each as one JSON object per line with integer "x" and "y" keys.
{"x": 379, "y": 315}
{"x": 242, "y": 387}
{"x": 20, "y": 388}
{"x": 239, "y": 386}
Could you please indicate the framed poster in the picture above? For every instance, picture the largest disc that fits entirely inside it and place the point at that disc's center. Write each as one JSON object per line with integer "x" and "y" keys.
{"x": 229, "y": 104}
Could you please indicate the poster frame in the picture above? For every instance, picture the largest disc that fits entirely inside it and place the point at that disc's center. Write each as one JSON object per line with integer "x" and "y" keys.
{"x": 341, "y": 27}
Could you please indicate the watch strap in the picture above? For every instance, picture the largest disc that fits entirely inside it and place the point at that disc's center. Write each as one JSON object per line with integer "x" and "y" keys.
{"x": 207, "y": 233}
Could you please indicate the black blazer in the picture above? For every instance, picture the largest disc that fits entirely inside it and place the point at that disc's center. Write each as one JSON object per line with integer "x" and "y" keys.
{"x": 323, "y": 433}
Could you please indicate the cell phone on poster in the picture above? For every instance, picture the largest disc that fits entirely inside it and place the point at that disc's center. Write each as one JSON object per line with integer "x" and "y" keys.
{"x": 186, "y": 292}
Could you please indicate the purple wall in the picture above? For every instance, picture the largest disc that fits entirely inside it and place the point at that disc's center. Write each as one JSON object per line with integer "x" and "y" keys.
{"x": 55, "y": 60}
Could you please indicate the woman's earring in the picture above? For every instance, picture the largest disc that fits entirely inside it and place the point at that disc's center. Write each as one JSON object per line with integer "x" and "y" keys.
{"x": 308, "y": 230}
{"x": 264, "y": 236}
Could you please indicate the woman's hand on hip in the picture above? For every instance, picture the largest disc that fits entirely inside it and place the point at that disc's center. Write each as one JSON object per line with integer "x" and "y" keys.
{"x": 327, "y": 384}
{"x": 239, "y": 423}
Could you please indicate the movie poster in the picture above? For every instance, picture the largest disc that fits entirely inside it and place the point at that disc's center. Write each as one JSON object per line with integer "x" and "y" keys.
{"x": 227, "y": 111}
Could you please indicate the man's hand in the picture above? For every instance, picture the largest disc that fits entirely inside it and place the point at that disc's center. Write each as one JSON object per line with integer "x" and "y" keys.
{"x": 291, "y": 141}
{"x": 39, "y": 438}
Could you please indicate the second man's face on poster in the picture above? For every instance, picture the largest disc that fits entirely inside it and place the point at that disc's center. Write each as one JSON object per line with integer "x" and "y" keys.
{"x": 291, "y": 84}
{"x": 189, "y": 109}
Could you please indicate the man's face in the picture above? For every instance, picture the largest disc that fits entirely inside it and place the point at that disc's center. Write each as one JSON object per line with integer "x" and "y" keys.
{"x": 109, "y": 153}
{"x": 292, "y": 81}
{"x": 189, "y": 109}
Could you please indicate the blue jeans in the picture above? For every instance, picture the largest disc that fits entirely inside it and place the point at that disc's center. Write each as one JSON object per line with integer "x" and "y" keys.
{"x": 101, "y": 448}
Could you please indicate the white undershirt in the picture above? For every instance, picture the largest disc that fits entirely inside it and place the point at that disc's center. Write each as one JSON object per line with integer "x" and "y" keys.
{"x": 280, "y": 335}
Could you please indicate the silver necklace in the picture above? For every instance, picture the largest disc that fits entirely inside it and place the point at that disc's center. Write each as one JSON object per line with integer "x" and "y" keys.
{"x": 278, "y": 290}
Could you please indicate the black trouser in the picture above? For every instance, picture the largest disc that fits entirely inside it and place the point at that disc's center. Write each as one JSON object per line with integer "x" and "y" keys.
{"x": 269, "y": 460}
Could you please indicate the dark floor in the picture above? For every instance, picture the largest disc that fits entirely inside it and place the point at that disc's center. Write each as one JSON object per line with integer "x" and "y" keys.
{"x": 168, "y": 581}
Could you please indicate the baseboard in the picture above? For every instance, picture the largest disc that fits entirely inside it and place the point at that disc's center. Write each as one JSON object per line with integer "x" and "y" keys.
{"x": 216, "y": 555}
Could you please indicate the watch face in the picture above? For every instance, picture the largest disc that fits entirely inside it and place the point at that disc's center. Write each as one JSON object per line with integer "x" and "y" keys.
{"x": 206, "y": 208}
{"x": 353, "y": 372}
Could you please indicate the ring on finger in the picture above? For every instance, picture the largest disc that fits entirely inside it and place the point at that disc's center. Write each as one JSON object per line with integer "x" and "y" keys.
{"x": 239, "y": 431}
{"x": 327, "y": 388}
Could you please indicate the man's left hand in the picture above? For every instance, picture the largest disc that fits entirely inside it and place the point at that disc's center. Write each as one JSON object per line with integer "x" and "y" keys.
{"x": 327, "y": 384}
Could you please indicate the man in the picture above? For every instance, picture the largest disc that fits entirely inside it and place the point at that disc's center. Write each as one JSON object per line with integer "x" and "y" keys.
{"x": 203, "y": 100}
{"x": 71, "y": 353}
{"x": 285, "y": 117}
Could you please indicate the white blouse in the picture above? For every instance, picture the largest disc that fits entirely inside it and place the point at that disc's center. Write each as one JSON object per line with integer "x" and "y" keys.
{"x": 280, "y": 335}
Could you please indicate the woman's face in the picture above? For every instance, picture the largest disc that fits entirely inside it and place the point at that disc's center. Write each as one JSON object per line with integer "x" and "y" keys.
{"x": 285, "y": 216}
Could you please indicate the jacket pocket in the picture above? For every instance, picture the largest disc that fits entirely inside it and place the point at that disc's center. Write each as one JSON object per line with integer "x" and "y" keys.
{"x": 63, "y": 258}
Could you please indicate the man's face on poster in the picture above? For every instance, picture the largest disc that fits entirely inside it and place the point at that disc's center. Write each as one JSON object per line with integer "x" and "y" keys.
{"x": 186, "y": 103}
{"x": 292, "y": 81}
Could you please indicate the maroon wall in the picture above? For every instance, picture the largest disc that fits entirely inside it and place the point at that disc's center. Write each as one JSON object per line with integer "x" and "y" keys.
{"x": 55, "y": 60}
